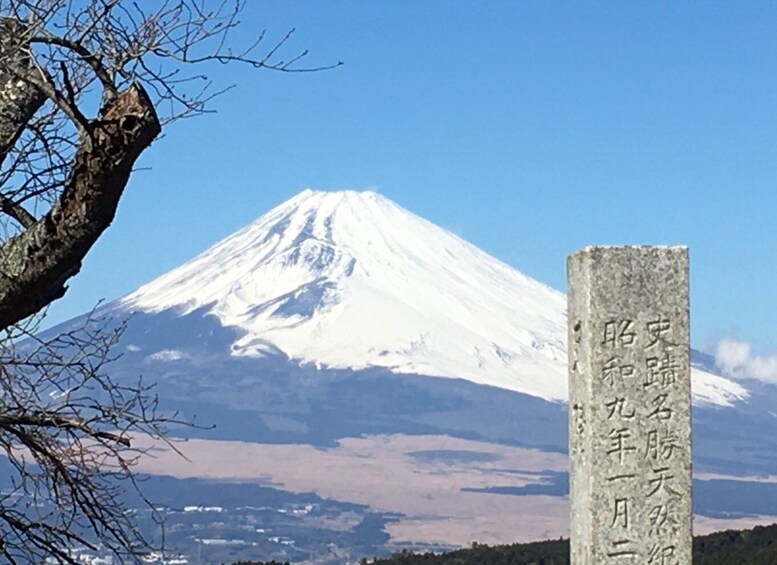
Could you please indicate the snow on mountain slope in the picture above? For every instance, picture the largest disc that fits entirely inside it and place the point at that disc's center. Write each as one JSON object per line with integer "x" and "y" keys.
{"x": 351, "y": 280}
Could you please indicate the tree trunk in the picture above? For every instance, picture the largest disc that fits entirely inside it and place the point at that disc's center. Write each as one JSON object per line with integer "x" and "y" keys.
{"x": 36, "y": 264}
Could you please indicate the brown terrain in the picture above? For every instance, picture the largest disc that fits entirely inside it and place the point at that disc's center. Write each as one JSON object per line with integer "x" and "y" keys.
{"x": 389, "y": 474}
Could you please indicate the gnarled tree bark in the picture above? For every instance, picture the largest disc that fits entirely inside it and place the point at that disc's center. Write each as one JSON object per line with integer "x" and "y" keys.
{"x": 36, "y": 264}
{"x": 19, "y": 99}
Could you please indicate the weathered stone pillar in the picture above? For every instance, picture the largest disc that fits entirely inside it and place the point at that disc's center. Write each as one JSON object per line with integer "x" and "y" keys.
{"x": 629, "y": 406}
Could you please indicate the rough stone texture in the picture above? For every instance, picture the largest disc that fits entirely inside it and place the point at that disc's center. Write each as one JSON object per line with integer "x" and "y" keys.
{"x": 629, "y": 406}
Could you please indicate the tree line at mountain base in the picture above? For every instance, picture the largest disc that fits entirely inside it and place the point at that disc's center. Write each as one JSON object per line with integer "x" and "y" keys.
{"x": 731, "y": 547}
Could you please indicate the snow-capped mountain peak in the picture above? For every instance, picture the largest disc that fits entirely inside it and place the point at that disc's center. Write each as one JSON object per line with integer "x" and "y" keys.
{"x": 349, "y": 279}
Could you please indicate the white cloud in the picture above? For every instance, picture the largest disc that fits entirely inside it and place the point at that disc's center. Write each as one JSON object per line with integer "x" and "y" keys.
{"x": 734, "y": 358}
{"x": 731, "y": 355}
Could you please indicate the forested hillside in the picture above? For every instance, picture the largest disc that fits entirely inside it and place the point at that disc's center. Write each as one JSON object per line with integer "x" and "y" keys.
{"x": 746, "y": 547}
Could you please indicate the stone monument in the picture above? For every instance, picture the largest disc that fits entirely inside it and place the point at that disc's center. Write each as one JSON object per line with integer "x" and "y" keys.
{"x": 629, "y": 406}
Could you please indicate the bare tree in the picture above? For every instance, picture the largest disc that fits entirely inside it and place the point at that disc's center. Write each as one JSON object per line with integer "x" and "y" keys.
{"x": 85, "y": 87}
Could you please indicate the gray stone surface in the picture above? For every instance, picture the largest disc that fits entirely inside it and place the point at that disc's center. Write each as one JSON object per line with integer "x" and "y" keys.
{"x": 629, "y": 406}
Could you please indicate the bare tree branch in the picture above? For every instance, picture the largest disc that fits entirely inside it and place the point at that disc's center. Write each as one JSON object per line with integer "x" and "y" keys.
{"x": 85, "y": 88}
{"x": 65, "y": 429}
{"x": 16, "y": 211}
{"x": 88, "y": 57}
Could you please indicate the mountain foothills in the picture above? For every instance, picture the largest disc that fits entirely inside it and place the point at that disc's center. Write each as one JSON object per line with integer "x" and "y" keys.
{"x": 345, "y": 348}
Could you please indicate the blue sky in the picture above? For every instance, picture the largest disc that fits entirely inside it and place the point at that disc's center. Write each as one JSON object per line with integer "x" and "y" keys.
{"x": 529, "y": 129}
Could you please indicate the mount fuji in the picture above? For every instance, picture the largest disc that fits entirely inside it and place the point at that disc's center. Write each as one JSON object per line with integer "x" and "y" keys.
{"x": 351, "y": 280}
{"x": 339, "y": 330}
